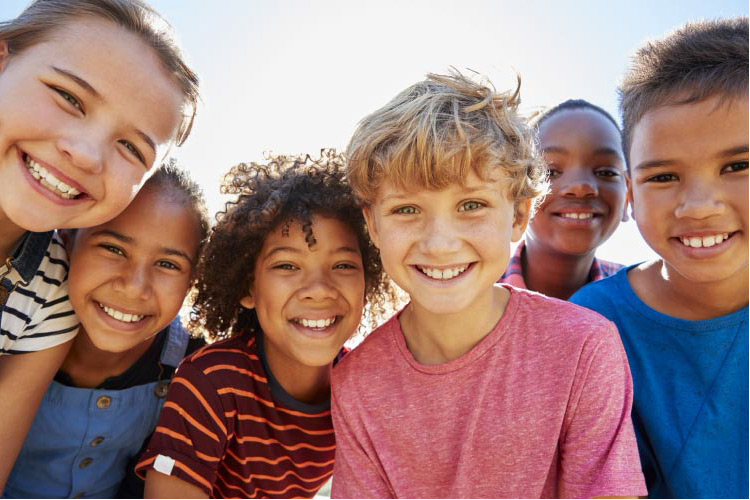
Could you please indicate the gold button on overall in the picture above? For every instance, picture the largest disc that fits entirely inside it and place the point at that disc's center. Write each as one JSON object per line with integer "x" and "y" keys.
{"x": 97, "y": 441}
{"x": 103, "y": 402}
{"x": 85, "y": 463}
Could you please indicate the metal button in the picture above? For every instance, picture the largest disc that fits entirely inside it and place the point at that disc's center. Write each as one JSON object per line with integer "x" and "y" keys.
{"x": 161, "y": 389}
{"x": 103, "y": 402}
{"x": 80, "y": 494}
{"x": 85, "y": 463}
{"x": 97, "y": 441}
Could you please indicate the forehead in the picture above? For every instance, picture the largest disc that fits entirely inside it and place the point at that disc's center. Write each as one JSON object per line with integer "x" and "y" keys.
{"x": 495, "y": 179}
{"x": 691, "y": 131}
{"x": 135, "y": 87}
{"x": 582, "y": 124}
{"x": 330, "y": 234}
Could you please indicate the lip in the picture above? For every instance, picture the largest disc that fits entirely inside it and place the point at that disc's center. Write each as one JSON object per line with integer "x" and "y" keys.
{"x": 117, "y": 324}
{"x": 573, "y": 223}
{"x": 704, "y": 252}
{"x": 444, "y": 283}
{"x": 46, "y": 192}
{"x": 317, "y": 333}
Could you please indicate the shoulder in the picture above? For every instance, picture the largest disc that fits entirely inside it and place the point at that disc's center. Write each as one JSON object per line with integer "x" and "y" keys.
{"x": 604, "y": 294}
{"x": 238, "y": 351}
{"x": 371, "y": 354}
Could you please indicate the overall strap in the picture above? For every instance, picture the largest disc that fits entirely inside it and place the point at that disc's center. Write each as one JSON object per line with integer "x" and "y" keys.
{"x": 175, "y": 344}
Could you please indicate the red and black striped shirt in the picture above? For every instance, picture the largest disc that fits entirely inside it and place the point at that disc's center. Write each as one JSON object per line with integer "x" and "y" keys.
{"x": 233, "y": 431}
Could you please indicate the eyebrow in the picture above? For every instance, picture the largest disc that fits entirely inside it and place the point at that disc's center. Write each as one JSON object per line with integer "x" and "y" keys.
{"x": 127, "y": 239}
{"x": 91, "y": 90}
{"x": 299, "y": 251}
{"x": 599, "y": 151}
{"x": 737, "y": 150}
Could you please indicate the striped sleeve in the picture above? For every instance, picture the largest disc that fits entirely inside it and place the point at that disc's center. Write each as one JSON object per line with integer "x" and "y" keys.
{"x": 191, "y": 430}
{"x": 39, "y": 316}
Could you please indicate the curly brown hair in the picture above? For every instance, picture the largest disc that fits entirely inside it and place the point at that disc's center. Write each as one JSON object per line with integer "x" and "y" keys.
{"x": 285, "y": 189}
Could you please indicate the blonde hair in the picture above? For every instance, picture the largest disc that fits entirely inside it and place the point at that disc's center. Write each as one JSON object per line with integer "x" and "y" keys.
{"x": 40, "y": 20}
{"x": 435, "y": 132}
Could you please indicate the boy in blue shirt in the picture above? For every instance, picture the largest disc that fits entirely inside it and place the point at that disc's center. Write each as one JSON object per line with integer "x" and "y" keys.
{"x": 683, "y": 318}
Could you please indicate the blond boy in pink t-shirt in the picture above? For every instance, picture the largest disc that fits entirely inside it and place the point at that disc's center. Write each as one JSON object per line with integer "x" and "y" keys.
{"x": 473, "y": 389}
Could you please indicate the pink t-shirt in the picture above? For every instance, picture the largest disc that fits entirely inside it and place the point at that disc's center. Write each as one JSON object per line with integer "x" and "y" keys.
{"x": 539, "y": 408}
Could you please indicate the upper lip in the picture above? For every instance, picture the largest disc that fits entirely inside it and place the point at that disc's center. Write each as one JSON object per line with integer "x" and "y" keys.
{"x": 124, "y": 310}
{"x": 701, "y": 233}
{"x": 315, "y": 315}
{"x": 60, "y": 176}
{"x": 443, "y": 266}
{"x": 581, "y": 208}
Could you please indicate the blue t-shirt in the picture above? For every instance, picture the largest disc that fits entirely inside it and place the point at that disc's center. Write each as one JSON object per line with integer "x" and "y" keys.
{"x": 690, "y": 383}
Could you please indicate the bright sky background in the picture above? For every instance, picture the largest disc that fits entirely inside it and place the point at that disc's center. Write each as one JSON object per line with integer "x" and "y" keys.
{"x": 295, "y": 76}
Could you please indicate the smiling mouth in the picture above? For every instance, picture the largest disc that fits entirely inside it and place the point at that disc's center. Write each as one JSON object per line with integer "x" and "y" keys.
{"x": 316, "y": 324}
{"x": 443, "y": 274}
{"x": 119, "y": 315}
{"x": 704, "y": 241}
{"x": 49, "y": 181}
{"x": 576, "y": 215}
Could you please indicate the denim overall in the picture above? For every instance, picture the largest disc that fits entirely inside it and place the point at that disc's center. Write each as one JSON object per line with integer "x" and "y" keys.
{"x": 82, "y": 439}
{"x": 26, "y": 259}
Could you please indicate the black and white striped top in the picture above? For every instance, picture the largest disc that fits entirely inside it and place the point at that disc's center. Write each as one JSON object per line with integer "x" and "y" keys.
{"x": 38, "y": 315}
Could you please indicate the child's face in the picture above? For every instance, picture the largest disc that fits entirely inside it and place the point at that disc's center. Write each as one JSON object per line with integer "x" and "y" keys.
{"x": 446, "y": 248}
{"x": 689, "y": 187}
{"x": 587, "y": 175}
{"x": 129, "y": 276}
{"x": 91, "y": 108}
{"x": 309, "y": 301}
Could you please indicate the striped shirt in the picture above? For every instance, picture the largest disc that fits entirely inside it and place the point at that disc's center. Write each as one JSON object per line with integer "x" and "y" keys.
{"x": 513, "y": 275}
{"x": 229, "y": 428}
{"x": 37, "y": 313}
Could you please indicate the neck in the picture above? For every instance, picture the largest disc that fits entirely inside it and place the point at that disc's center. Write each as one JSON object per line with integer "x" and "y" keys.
{"x": 552, "y": 273}
{"x": 308, "y": 384}
{"x": 669, "y": 293}
{"x": 88, "y": 366}
{"x": 434, "y": 339}
{"x": 9, "y": 236}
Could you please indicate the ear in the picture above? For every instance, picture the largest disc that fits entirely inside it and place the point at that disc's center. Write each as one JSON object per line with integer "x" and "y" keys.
{"x": 628, "y": 201}
{"x": 248, "y": 302}
{"x": 372, "y": 228}
{"x": 4, "y": 53}
{"x": 520, "y": 219}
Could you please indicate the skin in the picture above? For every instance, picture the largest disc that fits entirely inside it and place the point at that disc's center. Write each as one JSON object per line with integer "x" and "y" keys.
{"x": 293, "y": 281}
{"x": 141, "y": 262}
{"x": 689, "y": 179}
{"x": 98, "y": 131}
{"x": 94, "y": 142}
{"x": 587, "y": 175}
{"x": 469, "y": 227}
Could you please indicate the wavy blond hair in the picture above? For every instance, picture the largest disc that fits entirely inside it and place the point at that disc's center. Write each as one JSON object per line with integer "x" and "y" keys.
{"x": 435, "y": 132}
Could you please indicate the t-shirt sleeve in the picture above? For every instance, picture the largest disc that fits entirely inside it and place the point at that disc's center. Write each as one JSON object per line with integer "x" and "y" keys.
{"x": 191, "y": 435}
{"x": 599, "y": 454}
{"x": 52, "y": 324}
{"x": 355, "y": 474}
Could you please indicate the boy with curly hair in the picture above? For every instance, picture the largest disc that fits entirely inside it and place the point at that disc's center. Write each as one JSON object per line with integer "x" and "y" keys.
{"x": 683, "y": 317}
{"x": 282, "y": 285}
{"x": 473, "y": 390}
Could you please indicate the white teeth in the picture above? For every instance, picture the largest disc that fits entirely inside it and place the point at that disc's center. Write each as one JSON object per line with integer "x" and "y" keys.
{"x": 704, "y": 242}
{"x": 121, "y": 316}
{"x": 575, "y": 215}
{"x": 442, "y": 274}
{"x": 316, "y": 323}
{"x": 49, "y": 181}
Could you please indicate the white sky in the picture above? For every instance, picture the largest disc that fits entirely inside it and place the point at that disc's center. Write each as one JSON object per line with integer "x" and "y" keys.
{"x": 294, "y": 76}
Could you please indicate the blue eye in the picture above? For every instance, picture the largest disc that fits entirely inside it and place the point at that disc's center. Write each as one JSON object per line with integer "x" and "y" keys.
{"x": 470, "y": 206}
{"x": 407, "y": 210}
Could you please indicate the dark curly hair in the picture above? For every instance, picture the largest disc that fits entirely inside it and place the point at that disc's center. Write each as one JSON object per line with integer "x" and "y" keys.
{"x": 285, "y": 189}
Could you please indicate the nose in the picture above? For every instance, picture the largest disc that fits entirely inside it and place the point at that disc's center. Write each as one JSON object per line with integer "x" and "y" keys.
{"x": 578, "y": 183}
{"x": 134, "y": 281}
{"x": 83, "y": 149}
{"x": 700, "y": 199}
{"x": 439, "y": 237}
{"x": 318, "y": 287}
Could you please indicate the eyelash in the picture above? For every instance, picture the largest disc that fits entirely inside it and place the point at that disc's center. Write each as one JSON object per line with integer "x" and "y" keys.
{"x": 168, "y": 265}
{"x": 113, "y": 249}
{"x": 72, "y": 100}
{"x": 661, "y": 178}
{"x": 345, "y": 265}
{"x": 129, "y": 146}
{"x": 403, "y": 210}
{"x": 742, "y": 164}
{"x": 285, "y": 267}
{"x": 479, "y": 204}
